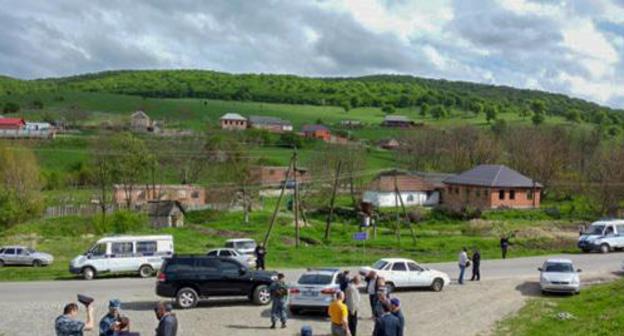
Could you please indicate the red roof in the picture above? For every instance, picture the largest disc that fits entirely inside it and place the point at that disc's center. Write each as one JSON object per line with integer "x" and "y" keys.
{"x": 12, "y": 122}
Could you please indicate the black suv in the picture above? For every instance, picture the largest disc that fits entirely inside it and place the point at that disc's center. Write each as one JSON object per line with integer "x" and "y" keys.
{"x": 188, "y": 278}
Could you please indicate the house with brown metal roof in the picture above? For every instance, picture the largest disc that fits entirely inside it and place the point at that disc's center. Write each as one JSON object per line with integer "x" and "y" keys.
{"x": 491, "y": 187}
{"x": 412, "y": 189}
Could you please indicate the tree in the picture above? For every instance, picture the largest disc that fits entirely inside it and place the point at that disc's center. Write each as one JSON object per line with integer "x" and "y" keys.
{"x": 476, "y": 107}
{"x": 573, "y": 116}
{"x": 11, "y": 107}
{"x": 345, "y": 105}
{"x": 606, "y": 178}
{"x": 538, "y": 119}
{"x": 388, "y": 109}
{"x": 102, "y": 165}
{"x": 131, "y": 162}
{"x": 439, "y": 112}
{"x": 20, "y": 185}
{"x": 491, "y": 113}
{"x": 423, "y": 109}
{"x": 37, "y": 104}
{"x": 538, "y": 106}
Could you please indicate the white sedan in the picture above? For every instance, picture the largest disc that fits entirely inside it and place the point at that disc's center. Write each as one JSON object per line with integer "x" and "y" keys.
{"x": 232, "y": 253}
{"x": 406, "y": 273}
{"x": 559, "y": 276}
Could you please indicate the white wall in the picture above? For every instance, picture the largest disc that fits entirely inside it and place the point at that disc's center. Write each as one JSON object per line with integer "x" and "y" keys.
{"x": 388, "y": 199}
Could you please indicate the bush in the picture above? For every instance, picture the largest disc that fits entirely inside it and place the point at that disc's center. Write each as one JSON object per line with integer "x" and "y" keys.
{"x": 120, "y": 222}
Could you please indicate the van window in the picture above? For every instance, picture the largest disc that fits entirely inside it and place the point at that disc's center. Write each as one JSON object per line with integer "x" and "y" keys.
{"x": 229, "y": 244}
{"x": 620, "y": 229}
{"x": 146, "y": 247}
{"x": 98, "y": 250}
{"x": 10, "y": 251}
{"x": 121, "y": 248}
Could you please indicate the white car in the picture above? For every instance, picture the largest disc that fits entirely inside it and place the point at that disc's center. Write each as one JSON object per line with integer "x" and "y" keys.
{"x": 231, "y": 253}
{"x": 406, "y": 273}
{"x": 559, "y": 276}
{"x": 245, "y": 246}
{"x": 314, "y": 290}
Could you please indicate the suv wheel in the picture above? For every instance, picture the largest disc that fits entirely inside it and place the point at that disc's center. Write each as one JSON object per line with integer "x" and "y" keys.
{"x": 604, "y": 248}
{"x": 37, "y": 263}
{"x": 88, "y": 273}
{"x": 187, "y": 298}
{"x": 261, "y": 295}
{"x": 146, "y": 271}
{"x": 437, "y": 285}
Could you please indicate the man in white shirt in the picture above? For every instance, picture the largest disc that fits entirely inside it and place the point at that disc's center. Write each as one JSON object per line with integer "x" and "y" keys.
{"x": 353, "y": 303}
{"x": 463, "y": 263}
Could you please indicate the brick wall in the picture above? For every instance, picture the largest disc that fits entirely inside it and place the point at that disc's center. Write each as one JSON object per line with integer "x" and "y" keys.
{"x": 459, "y": 196}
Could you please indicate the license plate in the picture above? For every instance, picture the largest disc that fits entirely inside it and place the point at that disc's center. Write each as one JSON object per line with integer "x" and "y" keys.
{"x": 310, "y": 293}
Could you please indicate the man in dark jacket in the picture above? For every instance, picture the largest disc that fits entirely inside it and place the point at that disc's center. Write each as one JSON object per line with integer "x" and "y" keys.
{"x": 343, "y": 280}
{"x": 387, "y": 324}
{"x": 504, "y": 245}
{"x": 167, "y": 321}
{"x": 395, "y": 304}
{"x": 476, "y": 264}
{"x": 260, "y": 255}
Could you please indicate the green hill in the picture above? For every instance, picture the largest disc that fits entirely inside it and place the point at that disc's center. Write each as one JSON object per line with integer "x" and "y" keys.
{"x": 377, "y": 91}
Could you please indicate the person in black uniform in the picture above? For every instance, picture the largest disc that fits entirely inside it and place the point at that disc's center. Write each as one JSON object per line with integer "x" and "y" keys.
{"x": 476, "y": 264}
{"x": 504, "y": 245}
{"x": 260, "y": 254}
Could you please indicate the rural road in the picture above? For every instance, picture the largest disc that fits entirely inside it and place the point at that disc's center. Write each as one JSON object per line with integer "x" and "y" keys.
{"x": 29, "y": 308}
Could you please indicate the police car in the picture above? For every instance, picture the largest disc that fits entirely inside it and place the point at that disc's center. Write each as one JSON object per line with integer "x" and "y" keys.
{"x": 314, "y": 290}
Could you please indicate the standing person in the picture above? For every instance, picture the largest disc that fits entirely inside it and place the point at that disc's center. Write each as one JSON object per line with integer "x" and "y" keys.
{"x": 260, "y": 255}
{"x": 343, "y": 280}
{"x": 339, "y": 316}
{"x": 279, "y": 295}
{"x": 504, "y": 245}
{"x": 476, "y": 265}
{"x": 395, "y": 305}
{"x": 108, "y": 321}
{"x": 68, "y": 325}
{"x": 167, "y": 321}
{"x": 382, "y": 296}
{"x": 463, "y": 263}
{"x": 353, "y": 303}
{"x": 387, "y": 324}
{"x": 371, "y": 290}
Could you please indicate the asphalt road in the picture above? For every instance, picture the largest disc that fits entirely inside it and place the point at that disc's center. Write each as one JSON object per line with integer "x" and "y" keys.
{"x": 29, "y": 308}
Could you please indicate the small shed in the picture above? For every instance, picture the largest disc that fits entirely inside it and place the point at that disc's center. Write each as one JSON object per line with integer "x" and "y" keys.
{"x": 166, "y": 214}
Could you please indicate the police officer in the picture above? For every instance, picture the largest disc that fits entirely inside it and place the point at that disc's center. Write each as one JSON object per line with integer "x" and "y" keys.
{"x": 279, "y": 295}
{"x": 68, "y": 325}
{"x": 108, "y": 321}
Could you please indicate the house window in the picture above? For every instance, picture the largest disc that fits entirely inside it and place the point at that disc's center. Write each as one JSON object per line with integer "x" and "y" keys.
{"x": 501, "y": 194}
{"x": 410, "y": 198}
{"x": 271, "y": 171}
{"x": 195, "y": 194}
{"x": 512, "y": 194}
{"x": 530, "y": 194}
{"x": 457, "y": 190}
{"x": 467, "y": 191}
{"x": 429, "y": 193}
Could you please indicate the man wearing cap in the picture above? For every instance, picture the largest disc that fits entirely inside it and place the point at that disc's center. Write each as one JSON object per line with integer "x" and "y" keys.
{"x": 108, "y": 321}
{"x": 395, "y": 305}
{"x": 279, "y": 295}
{"x": 68, "y": 324}
{"x": 167, "y": 321}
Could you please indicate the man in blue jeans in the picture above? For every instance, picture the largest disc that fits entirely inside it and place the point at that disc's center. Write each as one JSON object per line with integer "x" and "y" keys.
{"x": 463, "y": 263}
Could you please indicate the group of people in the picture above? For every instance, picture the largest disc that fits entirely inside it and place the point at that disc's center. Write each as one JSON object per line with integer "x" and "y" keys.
{"x": 113, "y": 323}
{"x": 345, "y": 308}
{"x": 465, "y": 261}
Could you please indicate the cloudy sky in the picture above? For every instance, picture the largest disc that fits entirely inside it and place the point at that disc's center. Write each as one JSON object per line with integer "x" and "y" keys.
{"x": 574, "y": 46}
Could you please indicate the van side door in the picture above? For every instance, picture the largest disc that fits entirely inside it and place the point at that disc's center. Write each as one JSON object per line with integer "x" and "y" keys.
{"x": 620, "y": 235}
{"x": 122, "y": 257}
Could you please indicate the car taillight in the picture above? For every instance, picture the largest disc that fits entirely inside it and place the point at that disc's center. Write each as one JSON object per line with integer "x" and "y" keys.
{"x": 329, "y": 291}
{"x": 295, "y": 291}
{"x": 161, "y": 277}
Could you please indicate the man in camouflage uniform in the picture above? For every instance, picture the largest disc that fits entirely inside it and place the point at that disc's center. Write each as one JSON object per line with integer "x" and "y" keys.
{"x": 108, "y": 321}
{"x": 68, "y": 325}
{"x": 279, "y": 295}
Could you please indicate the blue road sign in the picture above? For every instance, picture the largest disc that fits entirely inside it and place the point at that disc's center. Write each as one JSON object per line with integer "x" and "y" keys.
{"x": 360, "y": 236}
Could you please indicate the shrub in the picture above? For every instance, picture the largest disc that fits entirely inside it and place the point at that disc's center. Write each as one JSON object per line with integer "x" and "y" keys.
{"x": 120, "y": 222}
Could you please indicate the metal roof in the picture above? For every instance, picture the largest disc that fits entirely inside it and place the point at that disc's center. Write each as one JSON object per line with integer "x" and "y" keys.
{"x": 399, "y": 118}
{"x": 263, "y": 120}
{"x": 493, "y": 176}
{"x": 314, "y": 128}
{"x": 233, "y": 116}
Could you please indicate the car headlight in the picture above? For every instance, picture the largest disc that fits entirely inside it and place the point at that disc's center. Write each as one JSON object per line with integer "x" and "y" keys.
{"x": 575, "y": 281}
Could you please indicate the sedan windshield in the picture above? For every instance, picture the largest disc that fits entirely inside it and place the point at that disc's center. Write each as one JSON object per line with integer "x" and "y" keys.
{"x": 315, "y": 279}
{"x": 379, "y": 265}
{"x": 559, "y": 268}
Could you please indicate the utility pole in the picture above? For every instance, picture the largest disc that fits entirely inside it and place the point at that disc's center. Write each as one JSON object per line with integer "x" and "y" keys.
{"x": 295, "y": 204}
{"x": 333, "y": 199}
{"x": 279, "y": 200}
{"x": 409, "y": 224}
{"x": 396, "y": 208}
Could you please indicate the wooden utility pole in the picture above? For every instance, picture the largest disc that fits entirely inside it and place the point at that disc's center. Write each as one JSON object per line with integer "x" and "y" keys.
{"x": 295, "y": 205}
{"x": 396, "y": 208}
{"x": 409, "y": 224}
{"x": 279, "y": 200}
{"x": 333, "y": 199}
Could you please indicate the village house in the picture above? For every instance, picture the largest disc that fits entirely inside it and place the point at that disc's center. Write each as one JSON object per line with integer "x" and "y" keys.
{"x": 491, "y": 187}
{"x": 350, "y": 123}
{"x": 413, "y": 190}
{"x": 271, "y": 124}
{"x": 274, "y": 177}
{"x": 141, "y": 122}
{"x": 317, "y": 132}
{"x": 164, "y": 214}
{"x": 233, "y": 122}
{"x": 188, "y": 195}
{"x": 397, "y": 121}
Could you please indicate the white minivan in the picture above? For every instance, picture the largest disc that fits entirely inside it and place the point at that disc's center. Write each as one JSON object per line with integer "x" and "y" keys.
{"x": 123, "y": 254}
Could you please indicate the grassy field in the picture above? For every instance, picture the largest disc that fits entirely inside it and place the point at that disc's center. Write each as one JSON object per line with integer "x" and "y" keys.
{"x": 438, "y": 238}
{"x": 597, "y": 311}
